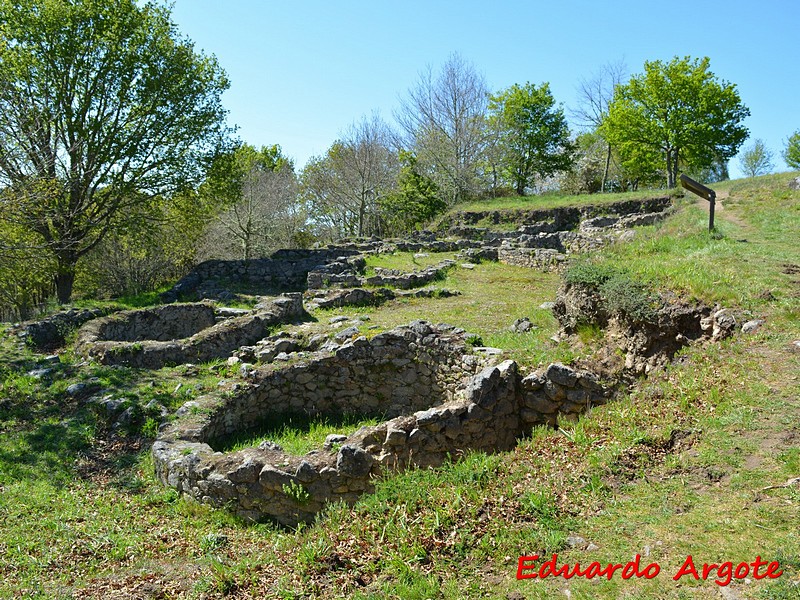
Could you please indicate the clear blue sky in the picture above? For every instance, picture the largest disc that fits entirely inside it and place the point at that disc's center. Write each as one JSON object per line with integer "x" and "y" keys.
{"x": 302, "y": 71}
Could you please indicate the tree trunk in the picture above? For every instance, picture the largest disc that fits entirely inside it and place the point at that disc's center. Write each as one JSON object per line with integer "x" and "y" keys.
{"x": 65, "y": 276}
{"x": 362, "y": 210}
{"x": 670, "y": 170}
{"x": 605, "y": 170}
{"x": 520, "y": 185}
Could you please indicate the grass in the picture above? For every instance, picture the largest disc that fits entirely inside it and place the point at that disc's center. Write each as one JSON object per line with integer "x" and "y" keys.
{"x": 296, "y": 434}
{"x": 406, "y": 261}
{"x": 492, "y": 297}
{"x": 676, "y": 468}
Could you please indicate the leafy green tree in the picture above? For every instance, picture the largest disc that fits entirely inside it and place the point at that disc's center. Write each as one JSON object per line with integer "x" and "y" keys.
{"x": 756, "y": 159}
{"x": 103, "y": 106}
{"x": 416, "y": 200}
{"x": 791, "y": 154}
{"x": 716, "y": 171}
{"x": 148, "y": 245}
{"x": 679, "y": 110}
{"x": 533, "y": 134}
{"x": 26, "y": 279}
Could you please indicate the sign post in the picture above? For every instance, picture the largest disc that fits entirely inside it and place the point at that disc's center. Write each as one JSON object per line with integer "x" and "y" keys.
{"x": 704, "y": 192}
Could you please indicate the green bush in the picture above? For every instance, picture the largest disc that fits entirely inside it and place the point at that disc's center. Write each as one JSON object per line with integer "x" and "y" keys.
{"x": 621, "y": 294}
{"x": 626, "y": 297}
{"x": 589, "y": 274}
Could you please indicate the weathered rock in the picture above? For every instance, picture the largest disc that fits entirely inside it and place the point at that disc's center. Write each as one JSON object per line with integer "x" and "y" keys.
{"x": 522, "y": 325}
{"x": 77, "y": 389}
{"x": 332, "y": 439}
{"x": 40, "y": 373}
{"x": 346, "y": 334}
{"x": 724, "y": 324}
{"x": 752, "y": 326}
{"x": 562, "y": 375}
{"x": 353, "y": 462}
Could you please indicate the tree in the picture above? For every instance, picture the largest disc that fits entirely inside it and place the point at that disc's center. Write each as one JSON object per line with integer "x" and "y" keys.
{"x": 103, "y": 106}
{"x": 586, "y": 174}
{"x": 262, "y": 212}
{"x": 756, "y": 159}
{"x": 716, "y": 171}
{"x": 416, "y": 199}
{"x": 791, "y": 154}
{"x": 345, "y": 187}
{"x": 444, "y": 118}
{"x": 533, "y": 134}
{"x": 679, "y": 110}
{"x": 594, "y": 96}
{"x": 25, "y": 280}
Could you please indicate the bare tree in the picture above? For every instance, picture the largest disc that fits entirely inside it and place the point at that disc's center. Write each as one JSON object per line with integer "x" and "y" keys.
{"x": 345, "y": 187}
{"x": 265, "y": 218}
{"x": 444, "y": 119}
{"x": 594, "y": 96}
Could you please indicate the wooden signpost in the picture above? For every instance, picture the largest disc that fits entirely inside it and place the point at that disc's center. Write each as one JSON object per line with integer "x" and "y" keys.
{"x": 704, "y": 192}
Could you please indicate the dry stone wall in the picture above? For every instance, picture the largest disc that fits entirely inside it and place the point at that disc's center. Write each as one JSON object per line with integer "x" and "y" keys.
{"x": 440, "y": 398}
{"x": 50, "y": 333}
{"x": 562, "y": 230}
{"x": 350, "y": 273}
{"x": 394, "y": 373}
{"x": 556, "y": 219}
{"x": 442, "y": 401}
{"x": 149, "y": 338}
{"x": 285, "y": 270}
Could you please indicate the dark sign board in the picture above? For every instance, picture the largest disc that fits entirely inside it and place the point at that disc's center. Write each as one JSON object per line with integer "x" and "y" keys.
{"x": 697, "y": 188}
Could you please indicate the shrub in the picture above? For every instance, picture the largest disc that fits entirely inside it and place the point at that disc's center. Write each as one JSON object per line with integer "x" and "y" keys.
{"x": 589, "y": 274}
{"x": 620, "y": 293}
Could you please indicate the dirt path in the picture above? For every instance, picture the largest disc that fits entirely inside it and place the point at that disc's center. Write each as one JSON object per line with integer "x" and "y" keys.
{"x": 720, "y": 210}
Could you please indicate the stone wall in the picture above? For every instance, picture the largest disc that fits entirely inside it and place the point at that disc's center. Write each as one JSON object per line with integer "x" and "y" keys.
{"x": 555, "y": 219}
{"x": 160, "y": 324}
{"x": 422, "y": 374}
{"x": 394, "y": 373}
{"x": 50, "y": 333}
{"x": 136, "y": 338}
{"x": 350, "y": 273}
{"x": 533, "y": 258}
{"x": 565, "y": 229}
{"x": 286, "y": 270}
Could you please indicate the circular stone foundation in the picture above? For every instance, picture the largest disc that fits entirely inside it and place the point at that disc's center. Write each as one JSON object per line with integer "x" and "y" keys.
{"x": 180, "y": 333}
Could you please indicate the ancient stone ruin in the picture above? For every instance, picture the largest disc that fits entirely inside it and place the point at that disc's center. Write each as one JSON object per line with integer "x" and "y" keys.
{"x": 544, "y": 239}
{"x": 436, "y": 395}
{"x": 440, "y": 400}
{"x": 176, "y": 334}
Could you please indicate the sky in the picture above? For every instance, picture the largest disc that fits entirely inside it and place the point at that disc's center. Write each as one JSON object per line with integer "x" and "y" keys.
{"x": 301, "y": 72}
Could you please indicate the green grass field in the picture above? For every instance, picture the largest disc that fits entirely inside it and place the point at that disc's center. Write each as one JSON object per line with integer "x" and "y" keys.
{"x": 690, "y": 463}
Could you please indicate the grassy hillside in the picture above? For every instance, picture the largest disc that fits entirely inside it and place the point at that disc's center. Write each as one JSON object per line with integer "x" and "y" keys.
{"x": 691, "y": 463}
